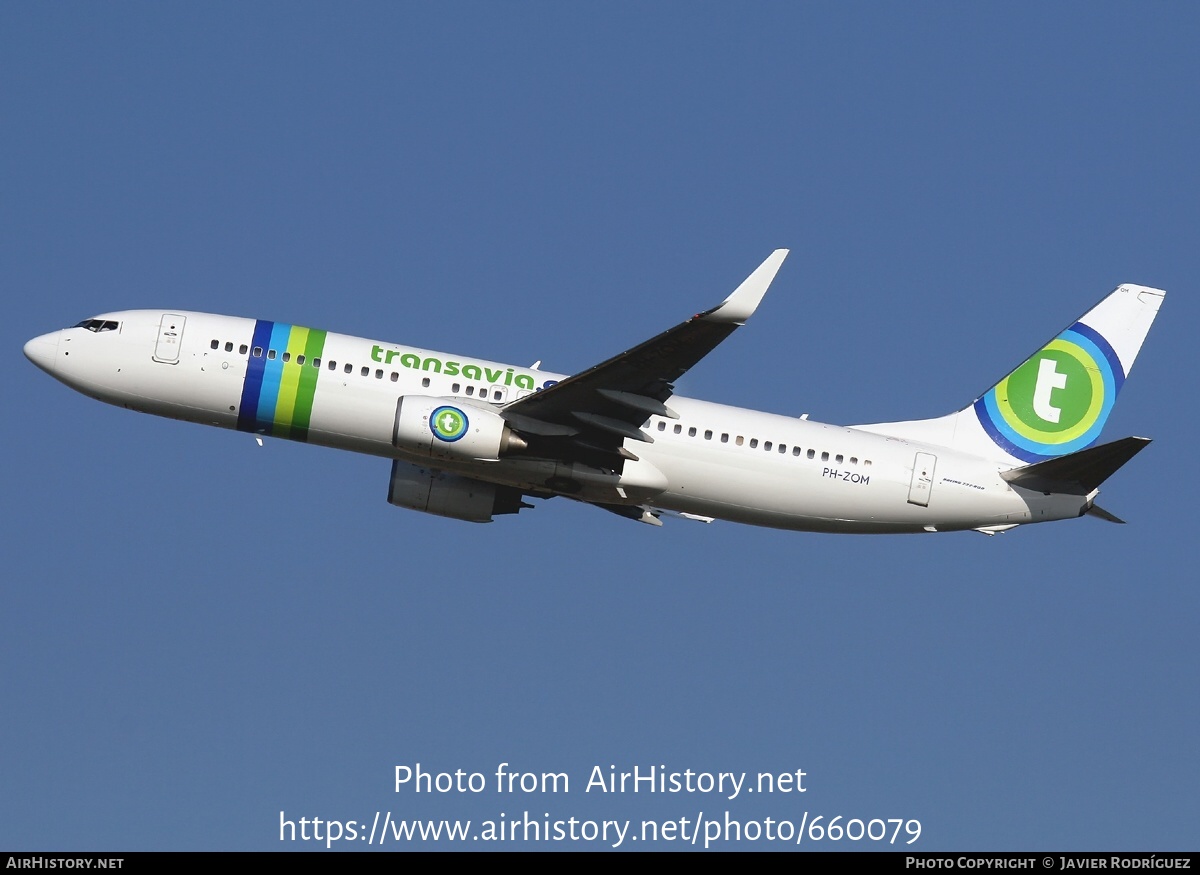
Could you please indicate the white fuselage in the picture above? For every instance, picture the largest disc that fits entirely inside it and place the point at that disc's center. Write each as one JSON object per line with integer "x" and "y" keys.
{"x": 713, "y": 461}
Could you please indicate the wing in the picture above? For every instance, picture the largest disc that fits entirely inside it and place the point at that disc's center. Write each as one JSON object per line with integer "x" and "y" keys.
{"x": 587, "y": 417}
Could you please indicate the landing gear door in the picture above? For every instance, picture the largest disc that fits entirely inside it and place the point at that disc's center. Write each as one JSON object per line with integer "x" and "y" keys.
{"x": 922, "y": 479}
{"x": 170, "y": 337}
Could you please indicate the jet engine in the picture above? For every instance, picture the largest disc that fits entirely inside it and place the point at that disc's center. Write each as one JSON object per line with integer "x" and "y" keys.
{"x": 445, "y": 428}
{"x": 445, "y": 494}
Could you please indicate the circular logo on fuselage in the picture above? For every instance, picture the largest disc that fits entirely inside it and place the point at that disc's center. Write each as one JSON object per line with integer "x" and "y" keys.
{"x": 1056, "y": 402}
{"x": 448, "y": 423}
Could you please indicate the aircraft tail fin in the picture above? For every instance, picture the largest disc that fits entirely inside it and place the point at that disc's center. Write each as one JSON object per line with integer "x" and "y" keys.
{"x": 1057, "y": 401}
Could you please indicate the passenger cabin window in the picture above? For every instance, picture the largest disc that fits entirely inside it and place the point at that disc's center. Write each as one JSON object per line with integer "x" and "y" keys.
{"x": 256, "y": 352}
{"x": 242, "y": 349}
{"x": 214, "y": 344}
{"x": 349, "y": 368}
{"x": 228, "y": 346}
{"x": 287, "y": 356}
{"x": 271, "y": 354}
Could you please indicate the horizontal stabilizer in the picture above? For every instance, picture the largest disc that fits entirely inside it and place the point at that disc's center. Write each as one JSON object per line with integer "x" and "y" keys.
{"x": 1101, "y": 513}
{"x": 1076, "y": 473}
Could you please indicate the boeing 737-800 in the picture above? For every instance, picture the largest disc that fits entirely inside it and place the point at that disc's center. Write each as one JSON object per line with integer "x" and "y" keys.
{"x": 472, "y": 439}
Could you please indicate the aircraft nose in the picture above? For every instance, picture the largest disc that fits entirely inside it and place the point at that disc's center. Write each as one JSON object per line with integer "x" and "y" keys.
{"x": 43, "y": 350}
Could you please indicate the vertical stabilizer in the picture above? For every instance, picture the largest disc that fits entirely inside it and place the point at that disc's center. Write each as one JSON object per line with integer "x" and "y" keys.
{"x": 1058, "y": 400}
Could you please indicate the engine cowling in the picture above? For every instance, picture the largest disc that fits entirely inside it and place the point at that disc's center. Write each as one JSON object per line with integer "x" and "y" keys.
{"x": 445, "y": 494}
{"x": 445, "y": 428}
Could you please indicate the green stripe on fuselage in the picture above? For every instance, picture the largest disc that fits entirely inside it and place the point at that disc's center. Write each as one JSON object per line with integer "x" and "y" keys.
{"x": 307, "y": 388}
{"x": 289, "y": 381}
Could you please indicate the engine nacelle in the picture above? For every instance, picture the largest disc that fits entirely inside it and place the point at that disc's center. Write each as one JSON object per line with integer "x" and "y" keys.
{"x": 444, "y": 428}
{"x": 445, "y": 494}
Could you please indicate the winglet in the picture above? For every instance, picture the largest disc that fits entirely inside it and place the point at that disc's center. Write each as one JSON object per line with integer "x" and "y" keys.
{"x": 740, "y": 306}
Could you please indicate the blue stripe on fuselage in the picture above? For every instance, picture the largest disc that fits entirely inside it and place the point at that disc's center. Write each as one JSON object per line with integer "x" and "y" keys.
{"x": 268, "y": 397}
{"x": 252, "y": 386}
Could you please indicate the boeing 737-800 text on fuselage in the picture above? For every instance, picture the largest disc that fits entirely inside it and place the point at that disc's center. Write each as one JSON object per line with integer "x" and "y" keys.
{"x": 472, "y": 439}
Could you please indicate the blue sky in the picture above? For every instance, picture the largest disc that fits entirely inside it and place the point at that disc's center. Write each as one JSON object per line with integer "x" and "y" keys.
{"x": 198, "y": 633}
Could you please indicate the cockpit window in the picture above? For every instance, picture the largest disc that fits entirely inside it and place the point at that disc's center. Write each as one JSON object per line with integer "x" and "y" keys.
{"x": 98, "y": 325}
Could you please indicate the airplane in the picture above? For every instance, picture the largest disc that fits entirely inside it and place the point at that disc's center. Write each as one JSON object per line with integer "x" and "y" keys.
{"x": 472, "y": 439}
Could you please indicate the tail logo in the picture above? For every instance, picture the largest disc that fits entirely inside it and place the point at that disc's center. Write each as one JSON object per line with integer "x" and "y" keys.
{"x": 1056, "y": 402}
{"x": 448, "y": 423}
{"x": 1048, "y": 380}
